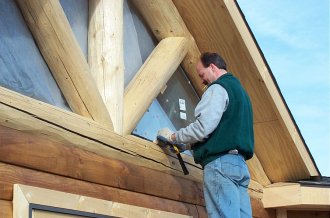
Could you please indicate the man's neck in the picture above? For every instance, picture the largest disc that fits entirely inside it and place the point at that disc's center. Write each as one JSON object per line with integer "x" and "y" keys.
{"x": 220, "y": 73}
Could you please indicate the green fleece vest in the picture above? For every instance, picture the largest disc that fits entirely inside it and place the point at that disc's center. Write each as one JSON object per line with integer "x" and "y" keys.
{"x": 235, "y": 130}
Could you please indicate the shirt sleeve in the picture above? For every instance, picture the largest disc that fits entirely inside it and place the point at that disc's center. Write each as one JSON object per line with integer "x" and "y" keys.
{"x": 208, "y": 114}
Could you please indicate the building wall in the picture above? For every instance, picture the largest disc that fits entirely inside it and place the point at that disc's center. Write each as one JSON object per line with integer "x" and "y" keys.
{"x": 41, "y": 162}
{"x": 308, "y": 214}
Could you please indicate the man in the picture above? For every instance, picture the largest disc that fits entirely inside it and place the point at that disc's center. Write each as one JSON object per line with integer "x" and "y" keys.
{"x": 221, "y": 138}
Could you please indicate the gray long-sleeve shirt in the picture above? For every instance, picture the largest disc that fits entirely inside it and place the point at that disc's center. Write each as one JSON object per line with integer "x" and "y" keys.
{"x": 208, "y": 113}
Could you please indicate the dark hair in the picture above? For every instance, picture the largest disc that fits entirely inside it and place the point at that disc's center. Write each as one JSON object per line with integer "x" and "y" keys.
{"x": 208, "y": 58}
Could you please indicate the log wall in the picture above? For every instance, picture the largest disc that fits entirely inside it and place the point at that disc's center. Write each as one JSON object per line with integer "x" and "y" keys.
{"x": 26, "y": 158}
{"x": 44, "y": 146}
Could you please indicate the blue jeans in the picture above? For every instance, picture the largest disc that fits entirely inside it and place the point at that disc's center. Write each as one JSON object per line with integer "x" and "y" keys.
{"x": 226, "y": 180}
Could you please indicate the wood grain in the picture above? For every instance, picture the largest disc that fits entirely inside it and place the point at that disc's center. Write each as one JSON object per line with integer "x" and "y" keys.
{"x": 29, "y": 115}
{"x": 106, "y": 55}
{"x": 165, "y": 21}
{"x": 6, "y": 209}
{"x": 295, "y": 196}
{"x": 59, "y": 47}
{"x": 151, "y": 78}
{"x": 39, "y": 153}
{"x": 18, "y": 175}
{"x": 258, "y": 211}
{"x": 25, "y": 195}
{"x": 308, "y": 214}
{"x": 287, "y": 163}
{"x": 257, "y": 171}
{"x": 219, "y": 27}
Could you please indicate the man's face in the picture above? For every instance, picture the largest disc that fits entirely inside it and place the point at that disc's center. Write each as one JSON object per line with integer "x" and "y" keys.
{"x": 205, "y": 73}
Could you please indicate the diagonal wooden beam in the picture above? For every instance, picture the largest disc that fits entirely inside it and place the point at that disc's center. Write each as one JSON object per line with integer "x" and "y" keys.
{"x": 151, "y": 78}
{"x": 105, "y": 55}
{"x": 56, "y": 41}
{"x": 165, "y": 21}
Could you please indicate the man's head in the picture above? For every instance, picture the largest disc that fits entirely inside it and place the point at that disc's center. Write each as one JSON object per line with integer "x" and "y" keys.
{"x": 210, "y": 67}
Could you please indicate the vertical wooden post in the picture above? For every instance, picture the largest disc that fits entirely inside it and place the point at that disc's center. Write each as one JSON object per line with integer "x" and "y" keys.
{"x": 281, "y": 213}
{"x": 105, "y": 55}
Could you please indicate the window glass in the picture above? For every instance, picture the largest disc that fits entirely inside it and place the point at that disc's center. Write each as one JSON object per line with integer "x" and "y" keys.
{"x": 174, "y": 107}
{"x": 22, "y": 66}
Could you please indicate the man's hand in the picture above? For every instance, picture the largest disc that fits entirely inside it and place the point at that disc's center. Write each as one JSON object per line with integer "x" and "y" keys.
{"x": 165, "y": 133}
{"x": 166, "y": 136}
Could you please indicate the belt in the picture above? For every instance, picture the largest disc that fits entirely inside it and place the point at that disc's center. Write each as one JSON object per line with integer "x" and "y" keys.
{"x": 234, "y": 151}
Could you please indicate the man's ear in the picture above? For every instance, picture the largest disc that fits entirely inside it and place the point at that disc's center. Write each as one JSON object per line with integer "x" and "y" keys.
{"x": 213, "y": 67}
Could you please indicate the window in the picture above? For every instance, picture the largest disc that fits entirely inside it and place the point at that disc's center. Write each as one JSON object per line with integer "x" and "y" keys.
{"x": 174, "y": 107}
{"x": 39, "y": 202}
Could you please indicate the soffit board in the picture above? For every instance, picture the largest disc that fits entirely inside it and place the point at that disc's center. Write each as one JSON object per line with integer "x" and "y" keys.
{"x": 213, "y": 29}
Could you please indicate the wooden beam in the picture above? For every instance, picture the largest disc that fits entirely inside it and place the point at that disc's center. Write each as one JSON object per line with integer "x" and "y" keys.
{"x": 105, "y": 55}
{"x": 164, "y": 21}
{"x": 271, "y": 140}
{"x": 25, "y": 195}
{"x": 257, "y": 171}
{"x": 40, "y": 153}
{"x": 17, "y": 175}
{"x": 151, "y": 78}
{"x": 281, "y": 213}
{"x": 258, "y": 210}
{"x": 29, "y": 115}
{"x": 255, "y": 189}
{"x": 56, "y": 41}
{"x": 20, "y": 203}
{"x": 308, "y": 214}
{"x": 6, "y": 209}
{"x": 296, "y": 196}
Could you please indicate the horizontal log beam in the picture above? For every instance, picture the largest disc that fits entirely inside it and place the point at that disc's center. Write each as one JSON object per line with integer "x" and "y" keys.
{"x": 17, "y": 175}
{"x": 59, "y": 47}
{"x": 6, "y": 209}
{"x": 296, "y": 196}
{"x": 151, "y": 78}
{"x": 29, "y": 115}
{"x": 165, "y": 21}
{"x": 28, "y": 150}
{"x": 105, "y": 55}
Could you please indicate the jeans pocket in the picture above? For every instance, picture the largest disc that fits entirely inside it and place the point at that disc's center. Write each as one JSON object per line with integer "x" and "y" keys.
{"x": 232, "y": 170}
